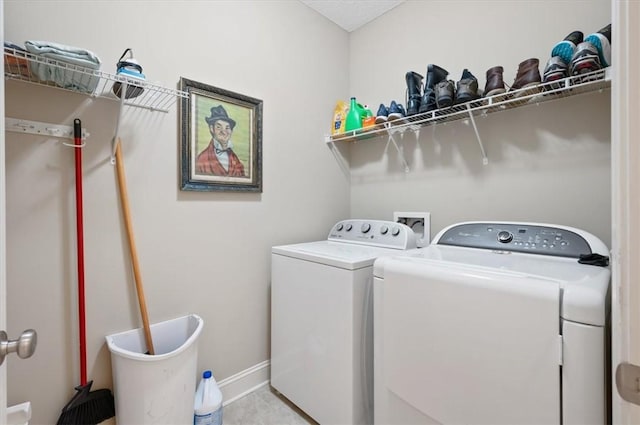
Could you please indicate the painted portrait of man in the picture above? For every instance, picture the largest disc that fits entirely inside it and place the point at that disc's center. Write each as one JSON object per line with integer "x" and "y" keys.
{"x": 218, "y": 158}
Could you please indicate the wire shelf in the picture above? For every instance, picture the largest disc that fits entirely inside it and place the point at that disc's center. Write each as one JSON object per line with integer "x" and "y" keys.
{"x": 22, "y": 65}
{"x": 551, "y": 91}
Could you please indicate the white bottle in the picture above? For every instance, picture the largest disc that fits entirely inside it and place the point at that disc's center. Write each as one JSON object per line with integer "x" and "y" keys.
{"x": 207, "y": 407}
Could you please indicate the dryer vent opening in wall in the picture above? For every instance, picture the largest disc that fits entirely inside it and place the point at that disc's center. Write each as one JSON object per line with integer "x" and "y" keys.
{"x": 419, "y": 222}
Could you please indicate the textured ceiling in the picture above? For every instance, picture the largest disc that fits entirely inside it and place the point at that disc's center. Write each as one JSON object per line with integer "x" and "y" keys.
{"x": 352, "y": 14}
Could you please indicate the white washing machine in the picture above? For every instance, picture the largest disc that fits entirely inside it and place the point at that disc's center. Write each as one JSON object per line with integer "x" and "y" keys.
{"x": 493, "y": 323}
{"x": 321, "y": 324}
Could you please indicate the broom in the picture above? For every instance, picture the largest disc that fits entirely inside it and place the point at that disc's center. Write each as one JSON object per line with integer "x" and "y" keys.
{"x": 86, "y": 407}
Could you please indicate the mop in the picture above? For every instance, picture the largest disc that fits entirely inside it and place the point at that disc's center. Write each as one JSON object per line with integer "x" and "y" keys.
{"x": 86, "y": 407}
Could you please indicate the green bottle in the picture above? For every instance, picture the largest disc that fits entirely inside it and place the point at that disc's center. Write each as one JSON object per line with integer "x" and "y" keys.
{"x": 354, "y": 118}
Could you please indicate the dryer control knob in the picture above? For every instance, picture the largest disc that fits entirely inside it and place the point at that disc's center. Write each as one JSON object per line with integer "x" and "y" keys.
{"x": 365, "y": 227}
{"x": 505, "y": 237}
{"x": 384, "y": 230}
{"x": 395, "y": 231}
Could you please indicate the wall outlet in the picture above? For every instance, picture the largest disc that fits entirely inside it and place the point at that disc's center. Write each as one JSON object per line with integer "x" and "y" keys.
{"x": 419, "y": 222}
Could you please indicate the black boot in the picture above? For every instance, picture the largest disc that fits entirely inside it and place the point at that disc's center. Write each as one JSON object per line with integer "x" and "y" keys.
{"x": 435, "y": 74}
{"x": 414, "y": 84}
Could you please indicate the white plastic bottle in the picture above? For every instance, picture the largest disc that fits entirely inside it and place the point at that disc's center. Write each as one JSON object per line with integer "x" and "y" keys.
{"x": 207, "y": 408}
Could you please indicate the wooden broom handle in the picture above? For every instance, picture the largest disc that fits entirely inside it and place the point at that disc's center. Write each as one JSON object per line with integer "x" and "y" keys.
{"x": 124, "y": 199}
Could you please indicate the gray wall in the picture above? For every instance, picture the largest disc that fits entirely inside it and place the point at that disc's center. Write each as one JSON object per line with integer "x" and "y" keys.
{"x": 203, "y": 253}
{"x": 547, "y": 163}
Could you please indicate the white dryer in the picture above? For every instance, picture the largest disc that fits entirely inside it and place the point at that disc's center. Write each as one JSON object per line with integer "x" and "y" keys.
{"x": 321, "y": 323}
{"x": 493, "y": 323}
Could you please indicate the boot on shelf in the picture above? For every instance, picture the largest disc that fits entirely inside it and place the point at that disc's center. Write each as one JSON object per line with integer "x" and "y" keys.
{"x": 528, "y": 74}
{"x": 414, "y": 86}
{"x": 495, "y": 82}
{"x": 467, "y": 87}
{"x": 435, "y": 74}
{"x": 445, "y": 93}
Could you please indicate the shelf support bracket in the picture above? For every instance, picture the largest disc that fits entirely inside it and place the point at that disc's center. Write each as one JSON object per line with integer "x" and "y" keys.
{"x": 400, "y": 153}
{"x": 485, "y": 160}
{"x": 342, "y": 162}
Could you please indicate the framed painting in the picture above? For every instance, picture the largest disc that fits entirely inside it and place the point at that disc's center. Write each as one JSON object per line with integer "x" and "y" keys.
{"x": 221, "y": 139}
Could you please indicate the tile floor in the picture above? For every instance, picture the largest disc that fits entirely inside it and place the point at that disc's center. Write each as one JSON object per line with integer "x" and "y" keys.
{"x": 264, "y": 407}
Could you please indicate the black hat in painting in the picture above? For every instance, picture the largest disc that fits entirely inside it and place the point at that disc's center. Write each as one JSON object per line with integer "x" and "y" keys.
{"x": 219, "y": 113}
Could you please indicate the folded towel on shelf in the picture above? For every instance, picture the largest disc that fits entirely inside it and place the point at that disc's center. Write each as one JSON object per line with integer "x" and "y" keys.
{"x": 79, "y": 76}
{"x": 15, "y": 62}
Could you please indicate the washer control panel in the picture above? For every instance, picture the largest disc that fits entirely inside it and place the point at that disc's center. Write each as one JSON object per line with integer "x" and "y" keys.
{"x": 534, "y": 239}
{"x": 387, "y": 234}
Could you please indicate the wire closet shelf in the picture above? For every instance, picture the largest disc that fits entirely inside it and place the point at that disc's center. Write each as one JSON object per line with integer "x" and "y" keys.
{"x": 20, "y": 64}
{"x": 545, "y": 92}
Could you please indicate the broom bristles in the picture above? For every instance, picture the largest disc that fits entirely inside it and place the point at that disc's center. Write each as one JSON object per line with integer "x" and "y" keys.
{"x": 88, "y": 408}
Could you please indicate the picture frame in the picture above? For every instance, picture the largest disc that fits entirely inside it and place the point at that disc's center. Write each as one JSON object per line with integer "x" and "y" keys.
{"x": 221, "y": 139}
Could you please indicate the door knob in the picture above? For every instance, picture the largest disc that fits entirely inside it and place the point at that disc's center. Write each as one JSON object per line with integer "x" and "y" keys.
{"x": 24, "y": 346}
{"x": 628, "y": 382}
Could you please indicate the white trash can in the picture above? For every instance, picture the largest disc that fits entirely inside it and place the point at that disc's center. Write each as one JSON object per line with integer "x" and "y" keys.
{"x": 156, "y": 389}
{"x": 20, "y": 414}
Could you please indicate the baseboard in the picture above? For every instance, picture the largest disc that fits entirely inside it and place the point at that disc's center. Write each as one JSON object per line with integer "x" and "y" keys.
{"x": 245, "y": 382}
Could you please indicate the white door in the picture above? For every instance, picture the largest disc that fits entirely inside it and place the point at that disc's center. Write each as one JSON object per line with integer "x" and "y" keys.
{"x": 28, "y": 340}
{"x": 3, "y": 238}
{"x": 625, "y": 140}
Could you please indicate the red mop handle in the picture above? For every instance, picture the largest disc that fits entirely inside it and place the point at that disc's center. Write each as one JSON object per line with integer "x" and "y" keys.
{"x": 77, "y": 136}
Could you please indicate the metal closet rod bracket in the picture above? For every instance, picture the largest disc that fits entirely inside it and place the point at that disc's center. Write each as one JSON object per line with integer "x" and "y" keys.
{"x": 16, "y": 125}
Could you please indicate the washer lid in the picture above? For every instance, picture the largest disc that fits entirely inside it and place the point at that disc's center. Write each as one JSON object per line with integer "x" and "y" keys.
{"x": 584, "y": 287}
{"x": 337, "y": 254}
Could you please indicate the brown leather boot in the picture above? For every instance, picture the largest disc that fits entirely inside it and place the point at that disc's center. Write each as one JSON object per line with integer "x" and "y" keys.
{"x": 528, "y": 74}
{"x": 495, "y": 83}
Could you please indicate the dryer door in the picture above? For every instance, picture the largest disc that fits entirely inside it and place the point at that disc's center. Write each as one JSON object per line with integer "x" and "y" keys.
{"x": 471, "y": 345}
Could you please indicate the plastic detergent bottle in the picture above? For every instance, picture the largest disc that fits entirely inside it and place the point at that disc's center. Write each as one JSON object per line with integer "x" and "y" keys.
{"x": 354, "y": 116}
{"x": 207, "y": 408}
{"x": 339, "y": 117}
{"x": 368, "y": 119}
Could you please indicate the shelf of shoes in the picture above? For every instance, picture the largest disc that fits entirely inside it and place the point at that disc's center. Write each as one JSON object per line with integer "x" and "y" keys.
{"x": 22, "y": 65}
{"x": 545, "y": 92}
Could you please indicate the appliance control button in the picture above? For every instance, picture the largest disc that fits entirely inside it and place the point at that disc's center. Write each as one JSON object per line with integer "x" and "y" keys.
{"x": 384, "y": 229}
{"x": 339, "y": 227}
{"x": 395, "y": 231}
{"x": 505, "y": 237}
{"x": 365, "y": 227}
{"x": 349, "y": 227}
